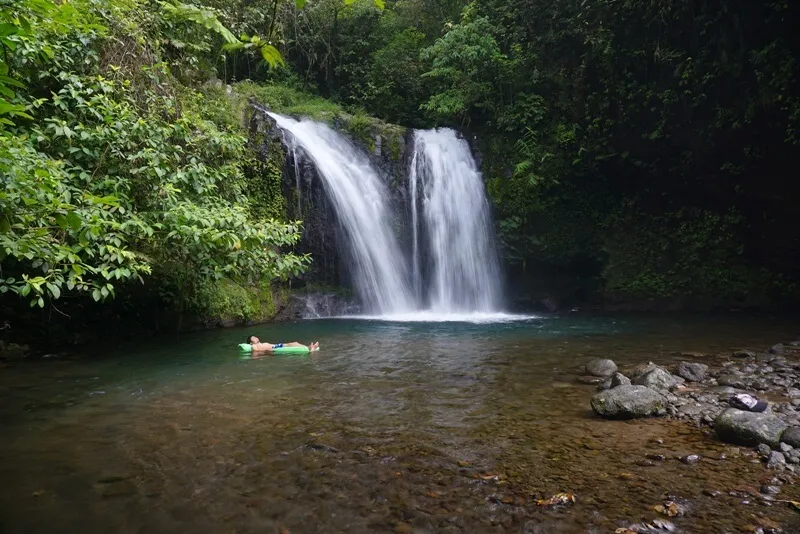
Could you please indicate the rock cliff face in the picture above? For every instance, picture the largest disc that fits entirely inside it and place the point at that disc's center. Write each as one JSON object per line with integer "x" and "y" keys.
{"x": 303, "y": 192}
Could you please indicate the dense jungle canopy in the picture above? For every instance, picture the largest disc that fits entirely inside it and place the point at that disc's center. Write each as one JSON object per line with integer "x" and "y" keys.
{"x": 632, "y": 149}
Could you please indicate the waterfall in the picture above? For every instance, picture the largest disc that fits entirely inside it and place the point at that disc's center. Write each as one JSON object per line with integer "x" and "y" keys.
{"x": 360, "y": 200}
{"x": 416, "y": 273}
{"x": 454, "y": 272}
{"x": 463, "y": 264}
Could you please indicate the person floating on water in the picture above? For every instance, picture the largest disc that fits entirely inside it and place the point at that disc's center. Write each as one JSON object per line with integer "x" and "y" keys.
{"x": 269, "y": 347}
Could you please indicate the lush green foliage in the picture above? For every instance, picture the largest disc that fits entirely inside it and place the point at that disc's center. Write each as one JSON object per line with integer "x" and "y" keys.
{"x": 115, "y": 179}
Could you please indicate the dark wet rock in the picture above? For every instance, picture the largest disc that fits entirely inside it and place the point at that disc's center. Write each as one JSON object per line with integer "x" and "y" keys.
{"x": 792, "y": 436}
{"x": 763, "y": 450}
{"x": 604, "y": 385}
{"x": 765, "y": 357}
{"x": 712, "y": 493}
{"x": 645, "y": 463}
{"x": 744, "y": 354}
{"x": 657, "y": 378}
{"x": 778, "y": 348}
{"x": 601, "y": 367}
{"x": 749, "y": 428}
{"x": 618, "y": 379}
{"x": 726, "y": 391}
{"x": 690, "y": 459}
{"x": 731, "y": 380}
{"x": 656, "y": 457}
{"x": 760, "y": 385}
{"x": 693, "y": 372}
{"x": 776, "y": 460}
{"x": 628, "y": 402}
{"x": 591, "y": 380}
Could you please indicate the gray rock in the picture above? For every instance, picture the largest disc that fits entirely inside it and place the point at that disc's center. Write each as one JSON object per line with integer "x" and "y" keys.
{"x": 792, "y": 436}
{"x": 693, "y": 372}
{"x": 657, "y": 378}
{"x": 640, "y": 370}
{"x": 618, "y": 379}
{"x": 786, "y": 448}
{"x": 744, "y": 354}
{"x": 626, "y": 402}
{"x": 763, "y": 450}
{"x": 749, "y": 428}
{"x": 776, "y": 460}
{"x": 769, "y": 490}
{"x": 731, "y": 380}
{"x": 601, "y": 367}
{"x": 777, "y": 349}
{"x": 793, "y": 393}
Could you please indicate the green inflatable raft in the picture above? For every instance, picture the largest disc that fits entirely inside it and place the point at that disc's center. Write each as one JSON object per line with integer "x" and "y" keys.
{"x": 246, "y": 348}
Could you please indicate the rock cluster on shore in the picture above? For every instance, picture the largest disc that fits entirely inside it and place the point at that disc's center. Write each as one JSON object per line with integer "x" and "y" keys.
{"x": 700, "y": 393}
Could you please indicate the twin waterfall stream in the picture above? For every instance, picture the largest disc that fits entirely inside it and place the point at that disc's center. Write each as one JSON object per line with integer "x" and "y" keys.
{"x": 451, "y": 270}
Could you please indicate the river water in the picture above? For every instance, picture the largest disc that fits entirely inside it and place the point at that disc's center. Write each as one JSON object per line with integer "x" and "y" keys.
{"x": 390, "y": 427}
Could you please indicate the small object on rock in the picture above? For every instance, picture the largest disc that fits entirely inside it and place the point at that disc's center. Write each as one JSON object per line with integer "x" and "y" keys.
{"x": 763, "y": 450}
{"x": 711, "y": 493}
{"x": 656, "y": 457}
{"x": 744, "y": 354}
{"x": 749, "y": 428}
{"x": 601, "y": 367}
{"x": 792, "y": 436}
{"x": 690, "y": 459}
{"x": 778, "y": 348}
{"x": 776, "y": 460}
{"x": 693, "y": 372}
{"x": 618, "y": 379}
{"x": 626, "y": 402}
{"x": 748, "y": 403}
{"x": 657, "y": 378}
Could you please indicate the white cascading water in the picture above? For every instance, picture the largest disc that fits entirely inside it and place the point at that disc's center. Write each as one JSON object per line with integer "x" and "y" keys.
{"x": 464, "y": 272}
{"x": 360, "y": 199}
{"x": 453, "y": 232}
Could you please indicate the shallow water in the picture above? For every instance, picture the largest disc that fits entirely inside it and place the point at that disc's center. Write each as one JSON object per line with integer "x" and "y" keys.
{"x": 390, "y": 427}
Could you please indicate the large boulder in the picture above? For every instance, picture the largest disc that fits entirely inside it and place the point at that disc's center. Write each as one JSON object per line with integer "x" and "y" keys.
{"x": 693, "y": 372}
{"x": 792, "y": 437}
{"x": 749, "y": 428}
{"x": 657, "y": 378}
{"x": 627, "y": 402}
{"x": 601, "y": 367}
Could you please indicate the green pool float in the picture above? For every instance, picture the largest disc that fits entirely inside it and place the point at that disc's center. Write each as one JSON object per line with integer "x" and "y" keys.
{"x": 247, "y": 348}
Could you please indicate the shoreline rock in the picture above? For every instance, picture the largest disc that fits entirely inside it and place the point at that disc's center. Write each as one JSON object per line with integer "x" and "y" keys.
{"x": 628, "y": 402}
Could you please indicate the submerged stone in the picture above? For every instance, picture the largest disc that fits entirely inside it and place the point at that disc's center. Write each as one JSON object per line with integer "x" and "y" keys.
{"x": 627, "y": 402}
